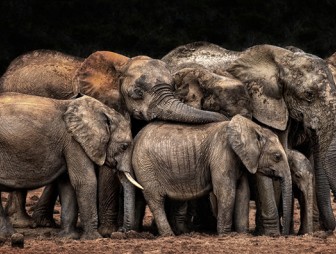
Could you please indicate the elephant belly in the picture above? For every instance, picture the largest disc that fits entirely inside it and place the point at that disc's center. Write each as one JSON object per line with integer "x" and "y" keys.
{"x": 188, "y": 191}
{"x": 29, "y": 172}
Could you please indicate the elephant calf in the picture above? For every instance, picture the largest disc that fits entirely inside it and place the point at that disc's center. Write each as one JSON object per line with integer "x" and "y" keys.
{"x": 184, "y": 162}
{"x": 43, "y": 140}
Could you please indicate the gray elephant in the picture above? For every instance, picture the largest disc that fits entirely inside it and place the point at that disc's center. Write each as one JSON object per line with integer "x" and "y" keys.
{"x": 203, "y": 89}
{"x": 43, "y": 139}
{"x": 140, "y": 86}
{"x": 183, "y": 162}
{"x": 303, "y": 182}
{"x": 282, "y": 85}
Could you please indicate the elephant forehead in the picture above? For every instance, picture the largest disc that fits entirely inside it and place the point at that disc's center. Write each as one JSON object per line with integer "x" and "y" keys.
{"x": 148, "y": 66}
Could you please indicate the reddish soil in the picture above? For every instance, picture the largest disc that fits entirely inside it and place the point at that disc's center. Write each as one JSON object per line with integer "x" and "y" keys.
{"x": 45, "y": 240}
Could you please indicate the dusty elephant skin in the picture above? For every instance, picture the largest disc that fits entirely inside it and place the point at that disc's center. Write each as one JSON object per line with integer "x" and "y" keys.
{"x": 65, "y": 146}
{"x": 282, "y": 84}
{"x": 203, "y": 89}
{"x": 139, "y": 86}
{"x": 184, "y": 162}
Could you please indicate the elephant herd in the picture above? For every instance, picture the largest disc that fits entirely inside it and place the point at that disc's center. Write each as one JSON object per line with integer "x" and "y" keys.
{"x": 195, "y": 136}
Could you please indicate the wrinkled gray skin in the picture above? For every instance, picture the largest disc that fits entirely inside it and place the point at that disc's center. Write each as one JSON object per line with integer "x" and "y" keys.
{"x": 200, "y": 88}
{"x": 331, "y": 154}
{"x": 139, "y": 86}
{"x": 77, "y": 135}
{"x": 302, "y": 177}
{"x": 282, "y": 84}
{"x": 203, "y": 89}
{"x": 184, "y": 162}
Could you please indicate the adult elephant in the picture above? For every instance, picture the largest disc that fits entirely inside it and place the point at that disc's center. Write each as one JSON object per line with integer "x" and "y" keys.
{"x": 139, "y": 86}
{"x": 76, "y": 135}
{"x": 282, "y": 84}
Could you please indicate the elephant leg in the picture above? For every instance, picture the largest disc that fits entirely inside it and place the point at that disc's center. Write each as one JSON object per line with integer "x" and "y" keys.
{"x": 155, "y": 202}
{"x": 241, "y": 210}
{"x": 203, "y": 215}
{"x": 6, "y": 228}
{"x": 140, "y": 209}
{"x": 267, "y": 218}
{"x": 16, "y": 210}
{"x": 226, "y": 201}
{"x": 69, "y": 211}
{"x": 44, "y": 209}
{"x": 177, "y": 215}
{"x": 108, "y": 201}
{"x": 84, "y": 181}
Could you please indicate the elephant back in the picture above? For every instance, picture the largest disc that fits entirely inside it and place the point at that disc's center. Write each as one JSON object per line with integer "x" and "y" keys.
{"x": 41, "y": 72}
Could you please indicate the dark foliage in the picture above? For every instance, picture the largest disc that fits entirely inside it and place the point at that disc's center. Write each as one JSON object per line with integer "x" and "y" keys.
{"x": 135, "y": 27}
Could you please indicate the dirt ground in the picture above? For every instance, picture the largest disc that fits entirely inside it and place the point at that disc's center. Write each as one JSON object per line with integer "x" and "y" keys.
{"x": 45, "y": 240}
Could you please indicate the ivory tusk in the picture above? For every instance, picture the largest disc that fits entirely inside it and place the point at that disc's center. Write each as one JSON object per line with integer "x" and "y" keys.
{"x": 131, "y": 179}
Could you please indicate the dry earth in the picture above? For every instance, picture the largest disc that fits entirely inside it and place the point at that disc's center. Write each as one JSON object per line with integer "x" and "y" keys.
{"x": 45, "y": 240}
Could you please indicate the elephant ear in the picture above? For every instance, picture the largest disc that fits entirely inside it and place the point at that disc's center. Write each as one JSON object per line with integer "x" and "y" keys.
{"x": 99, "y": 75}
{"x": 247, "y": 140}
{"x": 258, "y": 68}
{"x": 86, "y": 120}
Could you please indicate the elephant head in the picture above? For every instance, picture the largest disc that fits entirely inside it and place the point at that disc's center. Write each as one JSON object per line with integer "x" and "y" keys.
{"x": 302, "y": 177}
{"x": 261, "y": 152}
{"x": 140, "y": 84}
{"x": 282, "y": 83}
{"x": 201, "y": 88}
{"x": 104, "y": 134}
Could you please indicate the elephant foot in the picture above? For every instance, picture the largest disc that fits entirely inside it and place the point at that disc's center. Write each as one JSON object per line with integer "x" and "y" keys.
{"x": 69, "y": 234}
{"x": 22, "y": 220}
{"x": 91, "y": 235}
{"x": 42, "y": 220}
{"x": 168, "y": 234}
{"x": 6, "y": 228}
{"x": 267, "y": 232}
{"x": 106, "y": 231}
{"x": 181, "y": 228}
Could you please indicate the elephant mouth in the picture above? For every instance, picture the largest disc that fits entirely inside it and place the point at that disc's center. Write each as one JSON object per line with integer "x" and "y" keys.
{"x": 270, "y": 173}
{"x": 111, "y": 163}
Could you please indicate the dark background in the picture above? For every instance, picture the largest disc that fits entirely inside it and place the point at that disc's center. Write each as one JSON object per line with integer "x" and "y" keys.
{"x": 153, "y": 28}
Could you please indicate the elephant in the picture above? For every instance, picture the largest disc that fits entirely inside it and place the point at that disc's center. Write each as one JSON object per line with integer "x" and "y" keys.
{"x": 183, "y": 162}
{"x": 200, "y": 88}
{"x": 203, "y": 89}
{"x": 302, "y": 177}
{"x": 139, "y": 86}
{"x": 43, "y": 140}
{"x": 283, "y": 85}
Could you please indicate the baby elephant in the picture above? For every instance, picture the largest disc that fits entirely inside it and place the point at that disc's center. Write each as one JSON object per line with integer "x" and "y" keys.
{"x": 43, "y": 140}
{"x": 184, "y": 162}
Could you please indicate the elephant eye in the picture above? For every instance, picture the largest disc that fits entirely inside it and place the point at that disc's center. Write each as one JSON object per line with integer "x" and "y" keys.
{"x": 277, "y": 157}
{"x": 309, "y": 95}
{"x": 124, "y": 146}
{"x": 136, "y": 93}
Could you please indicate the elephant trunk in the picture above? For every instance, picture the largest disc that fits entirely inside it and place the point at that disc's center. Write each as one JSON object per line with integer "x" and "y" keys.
{"x": 286, "y": 187}
{"x": 129, "y": 203}
{"x": 306, "y": 210}
{"x": 166, "y": 107}
{"x": 330, "y": 164}
{"x": 322, "y": 182}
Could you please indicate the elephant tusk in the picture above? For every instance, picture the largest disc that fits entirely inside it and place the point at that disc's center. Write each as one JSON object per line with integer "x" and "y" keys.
{"x": 131, "y": 179}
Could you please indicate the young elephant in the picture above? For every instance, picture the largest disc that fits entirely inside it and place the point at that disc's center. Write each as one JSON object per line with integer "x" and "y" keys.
{"x": 303, "y": 182}
{"x": 184, "y": 162}
{"x": 44, "y": 139}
